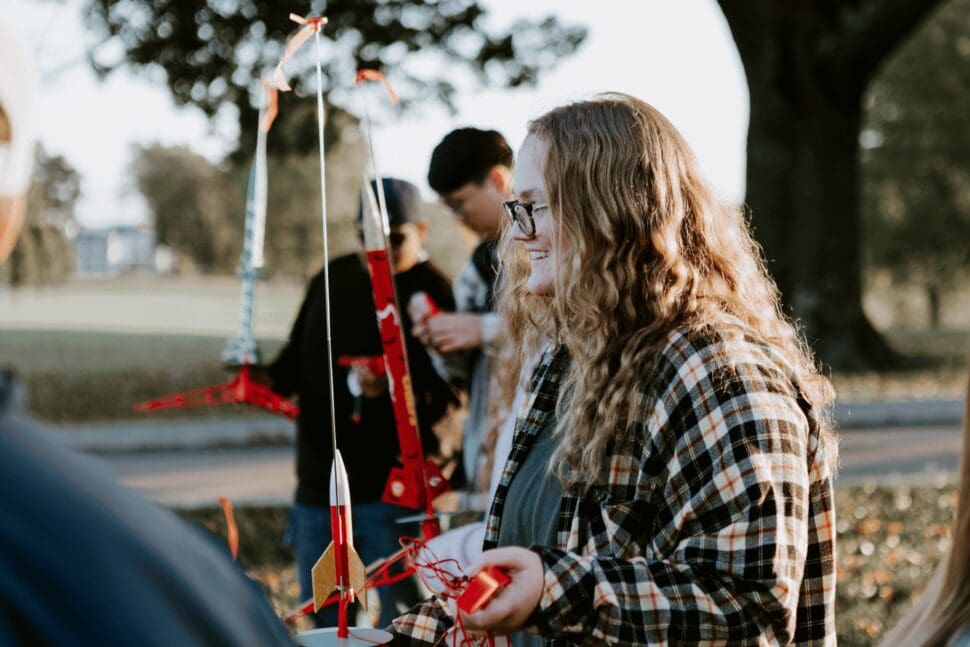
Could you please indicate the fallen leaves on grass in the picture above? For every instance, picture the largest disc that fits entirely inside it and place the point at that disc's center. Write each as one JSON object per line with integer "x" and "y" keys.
{"x": 890, "y": 538}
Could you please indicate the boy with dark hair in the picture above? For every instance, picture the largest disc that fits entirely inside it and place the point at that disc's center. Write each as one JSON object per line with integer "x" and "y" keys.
{"x": 471, "y": 170}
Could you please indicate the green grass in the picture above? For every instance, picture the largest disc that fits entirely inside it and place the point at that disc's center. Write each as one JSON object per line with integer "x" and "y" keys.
{"x": 79, "y": 376}
{"x": 889, "y": 541}
{"x": 935, "y": 366}
{"x": 173, "y": 329}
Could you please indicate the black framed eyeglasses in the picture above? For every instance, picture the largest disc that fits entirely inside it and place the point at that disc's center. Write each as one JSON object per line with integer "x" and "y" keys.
{"x": 520, "y": 213}
{"x": 396, "y": 238}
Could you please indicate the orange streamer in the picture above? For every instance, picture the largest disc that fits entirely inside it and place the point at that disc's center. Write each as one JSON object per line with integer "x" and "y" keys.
{"x": 271, "y": 106}
{"x": 311, "y": 25}
{"x": 232, "y": 532}
{"x": 365, "y": 75}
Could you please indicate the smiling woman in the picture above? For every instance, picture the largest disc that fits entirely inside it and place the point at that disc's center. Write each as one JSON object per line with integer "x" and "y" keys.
{"x": 534, "y": 226}
{"x": 671, "y": 475}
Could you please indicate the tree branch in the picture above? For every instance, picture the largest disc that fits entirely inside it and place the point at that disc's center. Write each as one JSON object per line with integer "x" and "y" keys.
{"x": 869, "y": 33}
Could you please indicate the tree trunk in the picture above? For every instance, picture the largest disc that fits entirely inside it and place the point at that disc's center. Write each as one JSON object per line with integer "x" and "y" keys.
{"x": 933, "y": 305}
{"x": 803, "y": 178}
{"x": 804, "y": 199}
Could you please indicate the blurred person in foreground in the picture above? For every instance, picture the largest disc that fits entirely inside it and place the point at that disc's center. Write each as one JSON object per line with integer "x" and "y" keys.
{"x": 941, "y": 616}
{"x": 366, "y": 429}
{"x": 84, "y": 561}
{"x": 670, "y": 480}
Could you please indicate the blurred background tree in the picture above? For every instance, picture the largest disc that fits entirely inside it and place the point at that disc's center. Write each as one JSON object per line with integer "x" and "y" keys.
{"x": 294, "y": 244}
{"x": 213, "y": 54}
{"x": 54, "y": 191}
{"x": 198, "y": 207}
{"x": 44, "y": 255}
{"x": 808, "y": 66}
{"x": 193, "y": 203}
{"x": 916, "y": 160}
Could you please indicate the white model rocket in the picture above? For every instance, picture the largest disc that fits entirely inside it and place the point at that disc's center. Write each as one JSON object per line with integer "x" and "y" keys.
{"x": 339, "y": 568}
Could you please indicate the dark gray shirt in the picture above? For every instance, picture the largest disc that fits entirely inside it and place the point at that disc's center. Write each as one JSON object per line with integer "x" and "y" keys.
{"x": 532, "y": 509}
{"x": 960, "y": 638}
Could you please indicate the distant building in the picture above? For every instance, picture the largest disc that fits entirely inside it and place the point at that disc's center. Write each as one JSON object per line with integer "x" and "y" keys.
{"x": 115, "y": 250}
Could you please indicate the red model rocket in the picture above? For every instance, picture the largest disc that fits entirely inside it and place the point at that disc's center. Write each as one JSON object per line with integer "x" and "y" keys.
{"x": 339, "y": 567}
{"x": 418, "y": 481}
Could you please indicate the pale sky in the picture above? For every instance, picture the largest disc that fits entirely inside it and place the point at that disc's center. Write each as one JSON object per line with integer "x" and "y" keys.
{"x": 677, "y": 55}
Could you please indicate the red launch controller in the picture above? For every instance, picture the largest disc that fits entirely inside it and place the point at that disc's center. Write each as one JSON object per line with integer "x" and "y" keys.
{"x": 373, "y": 363}
{"x": 422, "y": 307}
{"x": 482, "y": 588}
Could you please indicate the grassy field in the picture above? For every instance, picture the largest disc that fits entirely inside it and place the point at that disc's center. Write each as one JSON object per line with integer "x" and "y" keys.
{"x": 81, "y": 376}
{"x": 936, "y": 363}
{"x": 84, "y": 376}
{"x": 90, "y": 349}
{"x": 889, "y": 541}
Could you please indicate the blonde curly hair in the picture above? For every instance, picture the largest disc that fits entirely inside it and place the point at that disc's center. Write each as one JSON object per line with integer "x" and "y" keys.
{"x": 644, "y": 248}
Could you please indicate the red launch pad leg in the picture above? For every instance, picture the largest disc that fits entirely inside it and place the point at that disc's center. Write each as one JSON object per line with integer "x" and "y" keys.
{"x": 241, "y": 389}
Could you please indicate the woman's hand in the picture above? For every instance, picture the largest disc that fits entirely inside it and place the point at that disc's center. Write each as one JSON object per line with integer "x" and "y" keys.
{"x": 515, "y": 603}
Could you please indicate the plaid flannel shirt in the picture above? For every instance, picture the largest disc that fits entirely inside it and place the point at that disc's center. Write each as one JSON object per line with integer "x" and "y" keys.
{"x": 715, "y": 525}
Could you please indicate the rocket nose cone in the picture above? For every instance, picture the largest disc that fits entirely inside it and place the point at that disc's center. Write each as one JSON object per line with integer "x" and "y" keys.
{"x": 371, "y": 220}
{"x": 339, "y": 485}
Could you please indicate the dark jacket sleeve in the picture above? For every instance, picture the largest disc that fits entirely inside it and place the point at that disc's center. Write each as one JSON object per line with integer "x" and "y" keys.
{"x": 285, "y": 369}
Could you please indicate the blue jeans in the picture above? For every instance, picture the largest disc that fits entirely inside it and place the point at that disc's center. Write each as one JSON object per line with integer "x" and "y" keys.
{"x": 375, "y": 536}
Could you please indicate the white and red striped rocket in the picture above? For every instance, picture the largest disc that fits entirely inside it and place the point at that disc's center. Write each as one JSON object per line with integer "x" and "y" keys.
{"x": 418, "y": 481}
{"x": 339, "y": 568}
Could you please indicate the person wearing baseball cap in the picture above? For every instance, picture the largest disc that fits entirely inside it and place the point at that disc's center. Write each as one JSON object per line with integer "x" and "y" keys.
{"x": 366, "y": 432}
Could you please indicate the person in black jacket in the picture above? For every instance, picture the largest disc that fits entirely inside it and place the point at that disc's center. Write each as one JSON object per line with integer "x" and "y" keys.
{"x": 366, "y": 430}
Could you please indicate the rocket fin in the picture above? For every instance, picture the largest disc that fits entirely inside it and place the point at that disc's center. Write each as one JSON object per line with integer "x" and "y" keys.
{"x": 358, "y": 575}
{"x": 324, "y": 575}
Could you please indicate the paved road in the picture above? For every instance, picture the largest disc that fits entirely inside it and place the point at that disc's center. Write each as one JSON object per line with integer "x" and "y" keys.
{"x": 920, "y": 454}
{"x": 196, "y": 478}
{"x": 265, "y": 474}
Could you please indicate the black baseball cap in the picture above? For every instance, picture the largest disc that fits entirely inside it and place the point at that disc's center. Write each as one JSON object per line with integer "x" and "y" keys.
{"x": 402, "y": 198}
